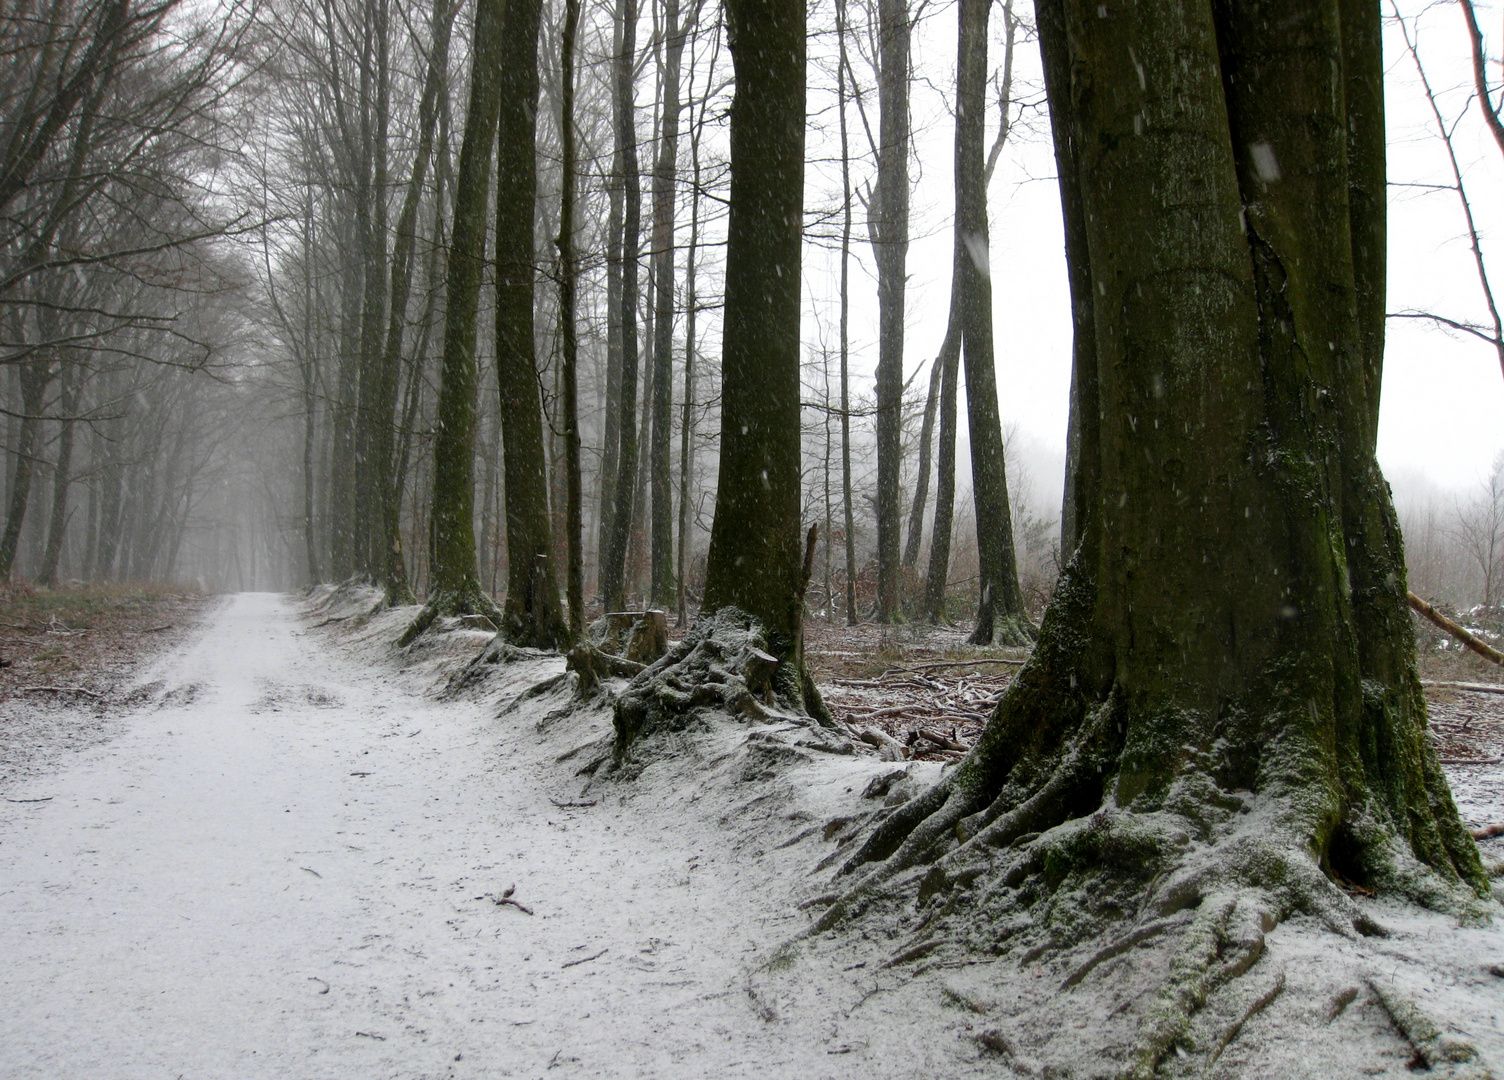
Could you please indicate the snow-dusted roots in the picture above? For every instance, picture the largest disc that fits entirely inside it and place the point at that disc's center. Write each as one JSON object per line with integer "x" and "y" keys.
{"x": 449, "y": 603}
{"x": 722, "y": 663}
{"x": 1024, "y": 852}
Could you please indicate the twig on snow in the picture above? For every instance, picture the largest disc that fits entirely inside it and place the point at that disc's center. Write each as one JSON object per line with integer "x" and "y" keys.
{"x": 1470, "y": 761}
{"x": 44, "y": 798}
{"x": 315, "y": 978}
{"x": 572, "y": 805}
{"x": 506, "y": 899}
{"x": 585, "y": 959}
{"x": 60, "y": 690}
{"x": 312, "y": 871}
{"x": 1496, "y": 829}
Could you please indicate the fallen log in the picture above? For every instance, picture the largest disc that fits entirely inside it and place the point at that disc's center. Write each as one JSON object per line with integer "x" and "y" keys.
{"x": 1482, "y": 648}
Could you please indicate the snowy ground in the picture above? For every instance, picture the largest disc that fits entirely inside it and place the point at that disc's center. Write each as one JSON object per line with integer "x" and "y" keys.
{"x": 283, "y": 865}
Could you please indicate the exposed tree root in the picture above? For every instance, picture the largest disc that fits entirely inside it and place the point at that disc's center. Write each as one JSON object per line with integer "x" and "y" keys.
{"x": 449, "y": 603}
{"x": 722, "y": 663}
{"x": 1435, "y": 1049}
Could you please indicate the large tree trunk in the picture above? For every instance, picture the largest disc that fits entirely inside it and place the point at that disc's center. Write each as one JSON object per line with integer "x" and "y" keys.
{"x": 922, "y": 474}
{"x": 665, "y": 182}
{"x": 455, "y": 579}
{"x": 373, "y": 426}
{"x": 949, "y": 362}
{"x": 755, "y": 558}
{"x": 35, "y": 378}
{"x": 1000, "y": 612}
{"x": 386, "y": 562}
{"x": 847, "y": 514}
{"x": 618, "y": 536}
{"x": 1232, "y": 633}
{"x": 62, "y": 475}
{"x": 890, "y": 234}
{"x": 532, "y": 615}
{"x": 574, "y": 524}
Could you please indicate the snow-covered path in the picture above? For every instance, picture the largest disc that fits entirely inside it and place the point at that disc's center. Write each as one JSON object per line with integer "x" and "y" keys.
{"x": 279, "y": 871}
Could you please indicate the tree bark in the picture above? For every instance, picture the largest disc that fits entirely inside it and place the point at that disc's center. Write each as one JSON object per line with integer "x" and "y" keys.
{"x": 531, "y": 614}
{"x": 926, "y": 460}
{"x": 568, "y": 275}
{"x": 755, "y": 557}
{"x": 36, "y": 376}
{"x": 665, "y": 184}
{"x": 455, "y": 578}
{"x": 848, "y": 516}
{"x": 936, "y": 580}
{"x": 618, "y": 537}
{"x": 1001, "y": 608}
{"x": 62, "y": 474}
{"x": 890, "y": 234}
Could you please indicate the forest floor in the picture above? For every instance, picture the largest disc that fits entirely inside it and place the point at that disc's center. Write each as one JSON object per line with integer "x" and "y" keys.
{"x": 284, "y": 859}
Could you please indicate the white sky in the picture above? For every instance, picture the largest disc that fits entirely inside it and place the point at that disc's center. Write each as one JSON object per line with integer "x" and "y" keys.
{"x": 1442, "y": 418}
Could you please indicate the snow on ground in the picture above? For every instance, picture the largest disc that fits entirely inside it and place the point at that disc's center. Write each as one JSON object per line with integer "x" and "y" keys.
{"x": 285, "y": 863}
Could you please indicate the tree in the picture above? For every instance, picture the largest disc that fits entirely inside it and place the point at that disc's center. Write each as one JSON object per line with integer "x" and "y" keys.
{"x": 889, "y": 228}
{"x": 755, "y": 561}
{"x": 613, "y": 556}
{"x": 1000, "y": 612}
{"x": 531, "y": 614}
{"x": 843, "y": 71}
{"x": 455, "y": 587}
{"x": 568, "y": 274}
{"x": 665, "y": 180}
{"x": 1232, "y": 632}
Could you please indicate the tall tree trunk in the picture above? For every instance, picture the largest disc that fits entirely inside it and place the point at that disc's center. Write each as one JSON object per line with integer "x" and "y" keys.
{"x": 455, "y": 586}
{"x": 926, "y": 459}
{"x": 372, "y": 429}
{"x": 613, "y": 559}
{"x": 849, "y": 517}
{"x": 36, "y": 376}
{"x": 890, "y": 234}
{"x": 1230, "y": 166}
{"x": 691, "y": 311}
{"x": 387, "y": 564}
{"x": 62, "y": 475}
{"x": 1000, "y": 613}
{"x": 665, "y": 182}
{"x": 937, "y": 578}
{"x": 574, "y": 525}
{"x": 755, "y": 560}
{"x": 531, "y": 613}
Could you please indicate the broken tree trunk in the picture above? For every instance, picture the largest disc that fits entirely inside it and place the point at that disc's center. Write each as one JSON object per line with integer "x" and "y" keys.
{"x": 1479, "y": 646}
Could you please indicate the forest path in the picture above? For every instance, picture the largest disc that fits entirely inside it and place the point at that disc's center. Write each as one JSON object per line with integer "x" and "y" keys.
{"x": 274, "y": 871}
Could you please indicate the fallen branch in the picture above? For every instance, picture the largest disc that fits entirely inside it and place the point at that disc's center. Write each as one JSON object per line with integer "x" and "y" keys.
{"x": 1479, "y": 646}
{"x": 888, "y": 710}
{"x": 158, "y": 629}
{"x": 572, "y": 805}
{"x": 962, "y": 663}
{"x": 506, "y": 899}
{"x": 60, "y": 690}
{"x": 915, "y": 952}
{"x": 892, "y": 749}
{"x": 1471, "y": 687}
{"x": 586, "y": 959}
{"x": 44, "y": 798}
{"x": 943, "y": 741}
{"x": 1488, "y": 831}
{"x": 1471, "y": 761}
